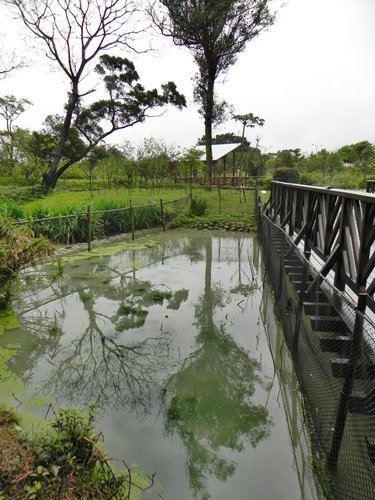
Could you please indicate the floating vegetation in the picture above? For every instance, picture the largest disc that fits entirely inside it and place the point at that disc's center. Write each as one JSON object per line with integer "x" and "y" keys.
{"x": 158, "y": 297}
{"x": 8, "y": 320}
{"x": 178, "y": 297}
{"x": 132, "y": 317}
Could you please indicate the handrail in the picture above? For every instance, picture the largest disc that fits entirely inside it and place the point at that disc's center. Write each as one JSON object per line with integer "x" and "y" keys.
{"x": 338, "y": 225}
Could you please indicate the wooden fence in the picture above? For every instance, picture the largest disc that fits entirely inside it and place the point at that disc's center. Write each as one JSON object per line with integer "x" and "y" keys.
{"x": 337, "y": 225}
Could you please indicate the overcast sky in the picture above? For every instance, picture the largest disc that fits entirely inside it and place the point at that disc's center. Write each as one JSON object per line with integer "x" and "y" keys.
{"x": 311, "y": 77}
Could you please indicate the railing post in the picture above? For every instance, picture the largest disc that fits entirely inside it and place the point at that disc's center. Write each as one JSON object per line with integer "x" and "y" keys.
{"x": 301, "y": 300}
{"x": 281, "y": 270}
{"x": 342, "y": 411}
{"x": 339, "y": 281}
{"x": 132, "y": 219}
{"x": 89, "y": 225}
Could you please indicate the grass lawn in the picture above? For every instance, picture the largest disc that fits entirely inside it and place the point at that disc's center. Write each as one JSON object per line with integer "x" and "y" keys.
{"x": 231, "y": 202}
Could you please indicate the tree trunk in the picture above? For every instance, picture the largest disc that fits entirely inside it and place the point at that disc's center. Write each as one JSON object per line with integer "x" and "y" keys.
{"x": 208, "y": 128}
{"x": 51, "y": 177}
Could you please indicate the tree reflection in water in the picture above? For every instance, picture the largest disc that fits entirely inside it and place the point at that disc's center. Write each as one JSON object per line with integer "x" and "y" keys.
{"x": 100, "y": 364}
{"x": 208, "y": 402}
{"x": 108, "y": 358}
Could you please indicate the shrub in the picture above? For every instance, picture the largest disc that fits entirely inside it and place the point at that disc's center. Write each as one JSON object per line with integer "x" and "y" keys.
{"x": 286, "y": 174}
{"x": 265, "y": 182}
{"x": 66, "y": 461}
{"x": 22, "y": 194}
{"x": 18, "y": 247}
{"x": 198, "y": 206}
{"x": 313, "y": 179}
{"x": 349, "y": 179}
{"x": 12, "y": 210}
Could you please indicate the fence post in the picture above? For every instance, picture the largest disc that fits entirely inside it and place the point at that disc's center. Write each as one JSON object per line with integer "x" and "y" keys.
{"x": 342, "y": 411}
{"x": 281, "y": 269}
{"x": 257, "y": 202}
{"x": 301, "y": 299}
{"x": 132, "y": 218}
{"x": 88, "y": 228}
{"x": 162, "y": 214}
{"x": 219, "y": 191}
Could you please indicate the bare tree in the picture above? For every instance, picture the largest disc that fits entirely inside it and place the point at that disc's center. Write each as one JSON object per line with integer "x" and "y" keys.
{"x": 215, "y": 32}
{"x": 9, "y": 63}
{"x": 75, "y": 34}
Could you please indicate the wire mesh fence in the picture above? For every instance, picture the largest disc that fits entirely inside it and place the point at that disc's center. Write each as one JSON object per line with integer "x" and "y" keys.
{"x": 333, "y": 348}
{"x": 79, "y": 227}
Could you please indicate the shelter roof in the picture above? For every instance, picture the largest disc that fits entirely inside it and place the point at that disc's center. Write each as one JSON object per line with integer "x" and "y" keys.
{"x": 218, "y": 150}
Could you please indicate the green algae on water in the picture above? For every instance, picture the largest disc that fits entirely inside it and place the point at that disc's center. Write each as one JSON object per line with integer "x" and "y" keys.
{"x": 109, "y": 250}
{"x": 8, "y": 321}
{"x": 10, "y": 384}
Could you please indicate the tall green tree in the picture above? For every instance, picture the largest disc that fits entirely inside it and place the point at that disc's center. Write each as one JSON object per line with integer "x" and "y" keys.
{"x": 224, "y": 138}
{"x": 11, "y": 108}
{"x": 248, "y": 120}
{"x": 75, "y": 36}
{"x": 215, "y": 32}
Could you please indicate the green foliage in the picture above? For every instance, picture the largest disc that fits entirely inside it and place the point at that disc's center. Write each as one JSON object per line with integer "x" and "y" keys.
{"x": 198, "y": 206}
{"x": 18, "y": 247}
{"x": 286, "y": 174}
{"x": 71, "y": 443}
{"x": 225, "y": 138}
{"x": 12, "y": 210}
{"x": 22, "y": 194}
{"x": 350, "y": 178}
{"x": 215, "y": 33}
{"x": 265, "y": 182}
{"x": 65, "y": 225}
{"x": 68, "y": 455}
{"x": 69, "y": 225}
{"x": 313, "y": 179}
{"x": 358, "y": 152}
{"x": 6, "y": 180}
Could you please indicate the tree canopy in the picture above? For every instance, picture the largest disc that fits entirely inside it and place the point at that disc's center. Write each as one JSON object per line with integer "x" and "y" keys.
{"x": 75, "y": 35}
{"x": 215, "y": 32}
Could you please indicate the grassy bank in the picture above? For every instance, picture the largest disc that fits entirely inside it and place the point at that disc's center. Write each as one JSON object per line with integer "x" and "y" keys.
{"x": 65, "y": 462}
{"x": 63, "y": 217}
{"x": 226, "y": 201}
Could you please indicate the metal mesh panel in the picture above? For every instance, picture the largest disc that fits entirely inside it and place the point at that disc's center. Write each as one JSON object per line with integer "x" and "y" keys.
{"x": 333, "y": 349}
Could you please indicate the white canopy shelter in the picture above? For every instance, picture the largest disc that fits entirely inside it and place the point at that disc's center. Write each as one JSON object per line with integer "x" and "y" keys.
{"x": 218, "y": 150}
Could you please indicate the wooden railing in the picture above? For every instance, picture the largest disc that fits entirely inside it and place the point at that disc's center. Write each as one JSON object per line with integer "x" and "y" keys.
{"x": 339, "y": 226}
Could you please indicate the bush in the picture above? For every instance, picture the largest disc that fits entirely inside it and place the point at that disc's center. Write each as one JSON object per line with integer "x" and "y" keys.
{"x": 198, "y": 206}
{"x": 12, "y": 210}
{"x": 350, "y": 179}
{"x": 265, "y": 182}
{"x": 18, "y": 247}
{"x": 286, "y": 174}
{"x": 22, "y": 194}
{"x": 66, "y": 461}
{"x": 313, "y": 179}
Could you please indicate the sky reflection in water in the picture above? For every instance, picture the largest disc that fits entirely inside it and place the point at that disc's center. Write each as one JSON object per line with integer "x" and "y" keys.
{"x": 168, "y": 343}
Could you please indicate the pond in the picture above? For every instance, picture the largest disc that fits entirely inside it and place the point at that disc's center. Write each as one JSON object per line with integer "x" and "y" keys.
{"x": 175, "y": 342}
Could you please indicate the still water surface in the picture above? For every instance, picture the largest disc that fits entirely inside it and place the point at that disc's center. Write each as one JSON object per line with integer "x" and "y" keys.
{"x": 172, "y": 343}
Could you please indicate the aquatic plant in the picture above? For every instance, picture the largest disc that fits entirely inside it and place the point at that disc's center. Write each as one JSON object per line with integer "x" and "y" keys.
{"x": 63, "y": 461}
{"x": 198, "y": 206}
{"x": 18, "y": 248}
